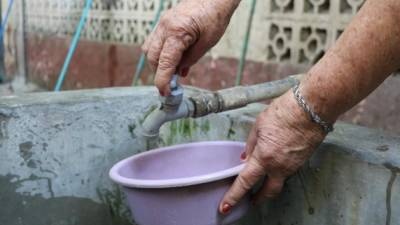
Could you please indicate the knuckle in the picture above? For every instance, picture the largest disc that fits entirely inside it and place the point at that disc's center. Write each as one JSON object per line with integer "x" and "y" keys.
{"x": 185, "y": 41}
{"x": 188, "y": 26}
{"x": 266, "y": 156}
{"x": 244, "y": 182}
{"x": 169, "y": 58}
{"x": 284, "y": 165}
{"x": 257, "y": 171}
{"x": 176, "y": 45}
{"x": 280, "y": 170}
{"x": 153, "y": 54}
{"x": 184, "y": 28}
{"x": 273, "y": 188}
{"x": 165, "y": 63}
{"x": 278, "y": 164}
{"x": 274, "y": 161}
{"x": 153, "y": 61}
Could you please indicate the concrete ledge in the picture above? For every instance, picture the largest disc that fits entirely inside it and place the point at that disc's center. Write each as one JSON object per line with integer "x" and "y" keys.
{"x": 56, "y": 150}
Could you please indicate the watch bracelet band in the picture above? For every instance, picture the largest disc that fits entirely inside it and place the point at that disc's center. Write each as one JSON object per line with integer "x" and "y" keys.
{"x": 326, "y": 126}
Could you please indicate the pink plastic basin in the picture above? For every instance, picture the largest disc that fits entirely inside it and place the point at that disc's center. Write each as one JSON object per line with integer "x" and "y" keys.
{"x": 181, "y": 184}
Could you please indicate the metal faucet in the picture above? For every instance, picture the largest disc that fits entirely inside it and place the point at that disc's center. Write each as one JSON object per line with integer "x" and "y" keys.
{"x": 173, "y": 107}
{"x": 176, "y": 106}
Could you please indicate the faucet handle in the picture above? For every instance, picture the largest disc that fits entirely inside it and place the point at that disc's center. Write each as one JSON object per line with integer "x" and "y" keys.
{"x": 173, "y": 84}
{"x": 173, "y": 100}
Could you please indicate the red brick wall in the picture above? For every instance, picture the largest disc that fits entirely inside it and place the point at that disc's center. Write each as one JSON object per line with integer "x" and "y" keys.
{"x": 97, "y": 64}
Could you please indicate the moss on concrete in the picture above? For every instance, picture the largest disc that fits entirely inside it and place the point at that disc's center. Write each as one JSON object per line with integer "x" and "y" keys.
{"x": 115, "y": 202}
{"x": 205, "y": 127}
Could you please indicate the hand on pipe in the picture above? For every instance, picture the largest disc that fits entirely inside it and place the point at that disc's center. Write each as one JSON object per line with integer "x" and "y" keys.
{"x": 281, "y": 140}
{"x": 184, "y": 34}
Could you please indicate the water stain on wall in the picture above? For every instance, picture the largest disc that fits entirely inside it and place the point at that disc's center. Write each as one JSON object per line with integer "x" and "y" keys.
{"x": 394, "y": 170}
{"x": 3, "y": 126}
{"x": 25, "y": 150}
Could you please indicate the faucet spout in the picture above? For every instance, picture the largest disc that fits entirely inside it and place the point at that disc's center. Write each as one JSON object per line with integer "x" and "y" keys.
{"x": 153, "y": 122}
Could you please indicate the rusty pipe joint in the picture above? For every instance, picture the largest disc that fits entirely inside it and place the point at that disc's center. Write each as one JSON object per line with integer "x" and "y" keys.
{"x": 240, "y": 96}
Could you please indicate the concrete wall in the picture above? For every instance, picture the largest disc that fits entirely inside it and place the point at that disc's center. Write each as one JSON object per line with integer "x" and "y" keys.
{"x": 56, "y": 150}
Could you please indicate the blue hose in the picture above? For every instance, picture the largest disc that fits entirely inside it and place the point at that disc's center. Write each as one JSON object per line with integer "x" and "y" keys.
{"x": 3, "y": 28}
{"x": 242, "y": 62}
{"x": 73, "y": 46}
{"x": 142, "y": 59}
{"x": 5, "y": 19}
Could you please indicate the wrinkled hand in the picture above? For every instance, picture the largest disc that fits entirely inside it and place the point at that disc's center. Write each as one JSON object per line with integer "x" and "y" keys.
{"x": 282, "y": 139}
{"x": 184, "y": 34}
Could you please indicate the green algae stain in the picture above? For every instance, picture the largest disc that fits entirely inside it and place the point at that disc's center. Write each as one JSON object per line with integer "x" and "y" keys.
{"x": 205, "y": 127}
{"x": 231, "y": 133}
{"x": 173, "y": 132}
{"x": 185, "y": 128}
{"x": 115, "y": 201}
{"x": 131, "y": 129}
{"x": 195, "y": 125}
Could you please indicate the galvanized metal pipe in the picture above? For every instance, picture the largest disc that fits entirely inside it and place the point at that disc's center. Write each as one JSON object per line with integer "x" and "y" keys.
{"x": 237, "y": 97}
{"x": 202, "y": 104}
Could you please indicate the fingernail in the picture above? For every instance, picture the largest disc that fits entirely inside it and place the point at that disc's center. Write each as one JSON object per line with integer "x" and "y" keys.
{"x": 185, "y": 72}
{"x": 243, "y": 156}
{"x": 226, "y": 208}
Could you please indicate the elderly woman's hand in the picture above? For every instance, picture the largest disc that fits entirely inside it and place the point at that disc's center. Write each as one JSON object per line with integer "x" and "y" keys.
{"x": 184, "y": 34}
{"x": 282, "y": 139}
